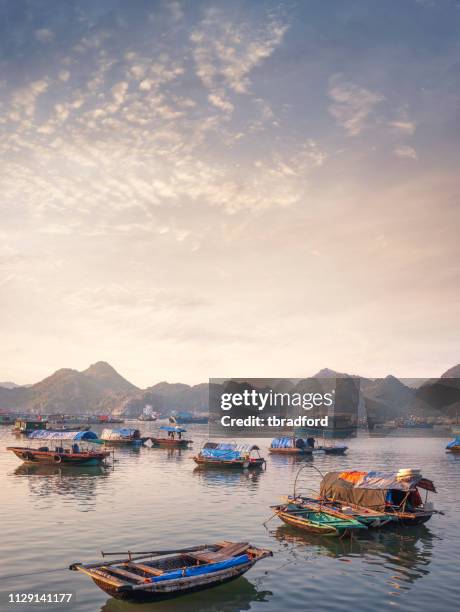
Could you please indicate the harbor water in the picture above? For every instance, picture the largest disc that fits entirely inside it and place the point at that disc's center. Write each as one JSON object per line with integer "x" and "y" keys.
{"x": 156, "y": 498}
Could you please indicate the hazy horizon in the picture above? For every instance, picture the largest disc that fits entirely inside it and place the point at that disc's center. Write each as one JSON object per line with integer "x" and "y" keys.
{"x": 204, "y": 189}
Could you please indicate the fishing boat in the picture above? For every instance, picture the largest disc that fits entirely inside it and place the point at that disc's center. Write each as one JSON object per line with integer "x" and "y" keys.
{"x": 26, "y": 426}
{"x": 454, "y": 445}
{"x": 395, "y": 493}
{"x": 174, "y": 438}
{"x": 75, "y": 455}
{"x": 317, "y": 521}
{"x": 369, "y": 517}
{"x": 224, "y": 455}
{"x": 157, "y": 575}
{"x": 123, "y": 436}
{"x": 304, "y": 446}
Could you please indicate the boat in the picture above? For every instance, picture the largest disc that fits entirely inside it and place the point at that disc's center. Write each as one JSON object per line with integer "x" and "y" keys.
{"x": 153, "y": 576}
{"x": 317, "y": 521}
{"x": 75, "y": 455}
{"x": 187, "y": 418}
{"x": 395, "y": 493}
{"x": 454, "y": 445}
{"x": 225, "y": 455}
{"x": 174, "y": 438}
{"x": 26, "y": 426}
{"x": 123, "y": 436}
{"x": 369, "y": 517}
{"x": 304, "y": 446}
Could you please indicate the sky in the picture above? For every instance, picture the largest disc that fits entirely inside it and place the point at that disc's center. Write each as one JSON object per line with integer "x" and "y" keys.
{"x": 213, "y": 189}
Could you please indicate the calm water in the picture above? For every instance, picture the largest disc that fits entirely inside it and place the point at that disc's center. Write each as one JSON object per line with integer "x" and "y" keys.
{"x": 157, "y": 498}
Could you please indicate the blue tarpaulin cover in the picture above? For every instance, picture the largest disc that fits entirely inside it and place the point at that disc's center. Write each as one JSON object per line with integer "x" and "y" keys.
{"x": 45, "y": 434}
{"x": 118, "y": 434}
{"x": 282, "y": 443}
{"x": 215, "y": 453}
{"x": 172, "y": 428}
{"x": 198, "y": 570}
{"x": 454, "y": 442}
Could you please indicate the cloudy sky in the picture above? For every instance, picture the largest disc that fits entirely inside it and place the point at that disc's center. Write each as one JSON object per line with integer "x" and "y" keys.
{"x": 194, "y": 189}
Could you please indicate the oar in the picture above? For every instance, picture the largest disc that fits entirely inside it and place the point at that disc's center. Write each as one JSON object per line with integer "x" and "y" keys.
{"x": 156, "y": 552}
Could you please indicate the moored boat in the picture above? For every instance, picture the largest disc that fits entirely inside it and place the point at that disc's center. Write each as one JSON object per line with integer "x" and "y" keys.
{"x": 123, "y": 436}
{"x": 317, "y": 521}
{"x": 293, "y": 445}
{"x": 27, "y": 426}
{"x": 395, "y": 493}
{"x": 369, "y": 517}
{"x": 229, "y": 455}
{"x": 152, "y": 576}
{"x": 174, "y": 438}
{"x": 75, "y": 455}
{"x": 454, "y": 445}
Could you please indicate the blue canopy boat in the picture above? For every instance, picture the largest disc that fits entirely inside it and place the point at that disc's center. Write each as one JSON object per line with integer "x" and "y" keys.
{"x": 221, "y": 454}
{"x": 304, "y": 446}
{"x": 123, "y": 436}
{"x": 75, "y": 455}
{"x": 454, "y": 445}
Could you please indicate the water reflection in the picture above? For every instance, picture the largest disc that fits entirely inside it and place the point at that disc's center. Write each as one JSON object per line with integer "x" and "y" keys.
{"x": 224, "y": 476}
{"x": 231, "y": 597}
{"x": 406, "y": 553}
{"x": 78, "y": 483}
{"x": 171, "y": 454}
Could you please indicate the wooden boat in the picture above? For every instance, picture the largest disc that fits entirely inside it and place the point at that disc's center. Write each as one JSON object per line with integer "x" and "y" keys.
{"x": 369, "y": 517}
{"x": 454, "y": 445}
{"x": 75, "y": 455}
{"x": 224, "y": 455}
{"x": 304, "y": 446}
{"x": 59, "y": 455}
{"x": 174, "y": 438}
{"x": 316, "y": 521}
{"x": 122, "y": 437}
{"x": 394, "y": 493}
{"x": 152, "y": 576}
{"x": 27, "y": 426}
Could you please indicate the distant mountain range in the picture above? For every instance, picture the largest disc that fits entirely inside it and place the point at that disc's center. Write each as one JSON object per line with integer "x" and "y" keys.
{"x": 100, "y": 389}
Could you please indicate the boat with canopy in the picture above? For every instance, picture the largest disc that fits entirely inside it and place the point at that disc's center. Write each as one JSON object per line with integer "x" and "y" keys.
{"x": 122, "y": 436}
{"x": 174, "y": 438}
{"x": 304, "y": 446}
{"x": 454, "y": 445}
{"x": 395, "y": 493}
{"x": 156, "y": 575}
{"x": 73, "y": 455}
{"x": 229, "y": 455}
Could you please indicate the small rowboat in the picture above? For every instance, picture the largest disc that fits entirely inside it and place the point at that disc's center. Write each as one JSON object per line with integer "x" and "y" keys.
{"x": 229, "y": 455}
{"x": 316, "y": 521}
{"x": 152, "y": 576}
{"x": 59, "y": 455}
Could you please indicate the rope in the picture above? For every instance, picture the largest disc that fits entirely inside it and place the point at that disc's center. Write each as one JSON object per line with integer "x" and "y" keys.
{"x": 50, "y": 571}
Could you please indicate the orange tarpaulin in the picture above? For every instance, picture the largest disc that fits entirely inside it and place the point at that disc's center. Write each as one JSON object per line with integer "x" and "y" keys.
{"x": 353, "y": 477}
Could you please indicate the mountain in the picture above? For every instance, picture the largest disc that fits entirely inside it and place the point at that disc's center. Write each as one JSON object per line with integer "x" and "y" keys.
{"x": 9, "y": 385}
{"x": 453, "y": 372}
{"x": 165, "y": 397}
{"x": 99, "y": 389}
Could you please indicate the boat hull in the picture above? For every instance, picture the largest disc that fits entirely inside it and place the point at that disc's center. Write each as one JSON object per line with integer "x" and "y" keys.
{"x": 307, "y": 526}
{"x": 290, "y": 451}
{"x": 231, "y": 463}
{"x": 170, "y": 443}
{"x": 29, "y": 455}
{"x": 163, "y": 591}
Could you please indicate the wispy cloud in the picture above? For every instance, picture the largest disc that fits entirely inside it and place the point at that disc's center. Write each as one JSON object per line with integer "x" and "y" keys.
{"x": 406, "y": 151}
{"x": 352, "y": 104}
